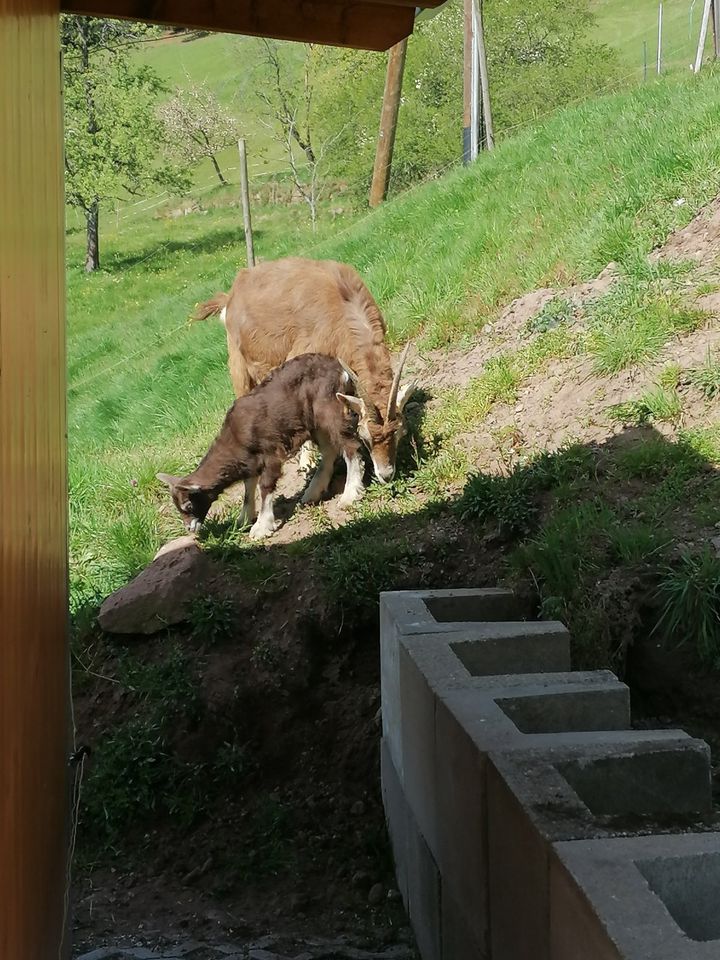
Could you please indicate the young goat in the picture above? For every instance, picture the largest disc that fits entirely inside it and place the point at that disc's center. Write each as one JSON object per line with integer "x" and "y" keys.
{"x": 283, "y": 308}
{"x": 300, "y": 401}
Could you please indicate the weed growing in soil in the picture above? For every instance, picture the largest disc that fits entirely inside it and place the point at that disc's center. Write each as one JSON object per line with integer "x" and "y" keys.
{"x": 557, "y": 312}
{"x": 630, "y": 324}
{"x": 689, "y": 592}
{"x": 658, "y": 403}
{"x": 212, "y": 619}
{"x": 706, "y": 378}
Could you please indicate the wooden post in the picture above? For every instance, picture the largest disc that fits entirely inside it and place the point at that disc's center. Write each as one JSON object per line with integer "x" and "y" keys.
{"x": 388, "y": 123}
{"x": 245, "y": 190}
{"x": 716, "y": 28}
{"x": 34, "y": 651}
{"x": 703, "y": 35}
{"x": 479, "y": 30}
{"x": 659, "y": 43}
{"x": 467, "y": 80}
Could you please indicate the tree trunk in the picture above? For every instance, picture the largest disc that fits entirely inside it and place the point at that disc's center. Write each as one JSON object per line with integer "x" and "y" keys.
{"x": 218, "y": 171}
{"x": 92, "y": 256}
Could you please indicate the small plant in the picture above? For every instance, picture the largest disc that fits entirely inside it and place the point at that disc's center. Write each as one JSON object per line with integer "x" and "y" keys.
{"x": 689, "y": 592}
{"x": 509, "y": 500}
{"x": 657, "y": 403}
{"x": 213, "y": 620}
{"x": 706, "y": 378}
{"x": 632, "y": 323}
{"x": 556, "y": 313}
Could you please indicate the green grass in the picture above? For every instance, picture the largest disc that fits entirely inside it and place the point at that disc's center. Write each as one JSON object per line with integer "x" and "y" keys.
{"x": 148, "y": 390}
{"x": 624, "y": 26}
{"x": 633, "y": 322}
{"x": 706, "y": 378}
{"x": 689, "y": 592}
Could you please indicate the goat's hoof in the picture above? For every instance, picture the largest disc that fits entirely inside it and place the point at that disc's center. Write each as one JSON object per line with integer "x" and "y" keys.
{"x": 308, "y": 497}
{"x": 259, "y": 532}
{"x": 347, "y": 501}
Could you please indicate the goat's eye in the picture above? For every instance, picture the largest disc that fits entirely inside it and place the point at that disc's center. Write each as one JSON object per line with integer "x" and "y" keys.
{"x": 186, "y": 506}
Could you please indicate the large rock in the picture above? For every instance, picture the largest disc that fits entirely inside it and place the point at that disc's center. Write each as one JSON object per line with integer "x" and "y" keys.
{"x": 159, "y": 596}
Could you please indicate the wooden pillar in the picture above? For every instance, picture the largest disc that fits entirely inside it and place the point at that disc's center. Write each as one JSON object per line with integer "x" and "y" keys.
{"x": 33, "y": 507}
{"x": 467, "y": 80}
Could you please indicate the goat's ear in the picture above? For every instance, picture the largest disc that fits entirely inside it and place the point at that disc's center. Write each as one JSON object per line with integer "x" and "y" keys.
{"x": 168, "y": 479}
{"x": 404, "y": 394}
{"x": 353, "y": 403}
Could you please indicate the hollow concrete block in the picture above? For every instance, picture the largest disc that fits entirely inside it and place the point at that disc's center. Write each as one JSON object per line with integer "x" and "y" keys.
{"x": 643, "y": 782}
{"x": 405, "y": 612}
{"x": 638, "y": 898}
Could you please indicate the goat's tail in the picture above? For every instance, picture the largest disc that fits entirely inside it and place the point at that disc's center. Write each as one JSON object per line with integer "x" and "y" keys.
{"x": 211, "y": 308}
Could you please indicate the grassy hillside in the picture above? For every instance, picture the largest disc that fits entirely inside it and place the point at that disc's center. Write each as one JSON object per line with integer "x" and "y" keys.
{"x": 596, "y": 184}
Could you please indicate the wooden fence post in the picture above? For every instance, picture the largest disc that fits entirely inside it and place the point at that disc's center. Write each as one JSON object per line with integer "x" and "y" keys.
{"x": 245, "y": 190}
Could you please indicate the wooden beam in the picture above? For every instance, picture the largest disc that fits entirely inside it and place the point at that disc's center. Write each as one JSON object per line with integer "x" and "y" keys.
{"x": 352, "y": 23}
{"x": 34, "y": 691}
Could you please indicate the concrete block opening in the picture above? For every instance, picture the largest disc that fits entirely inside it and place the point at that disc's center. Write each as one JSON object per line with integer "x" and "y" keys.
{"x": 689, "y": 888}
{"x": 669, "y": 783}
{"x": 511, "y": 647}
{"x": 486, "y": 606}
{"x": 577, "y": 711}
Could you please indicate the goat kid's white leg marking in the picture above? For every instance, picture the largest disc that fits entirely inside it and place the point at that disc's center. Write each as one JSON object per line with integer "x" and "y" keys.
{"x": 265, "y": 523}
{"x": 323, "y": 474}
{"x": 249, "y": 510}
{"x": 223, "y": 316}
{"x": 354, "y": 488}
{"x": 306, "y": 459}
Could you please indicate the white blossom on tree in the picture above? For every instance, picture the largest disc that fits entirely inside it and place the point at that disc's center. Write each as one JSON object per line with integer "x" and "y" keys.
{"x": 197, "y": 126}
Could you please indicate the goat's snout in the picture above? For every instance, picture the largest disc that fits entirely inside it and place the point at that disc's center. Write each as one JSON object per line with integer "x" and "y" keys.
{"x": 384, "y": 471}
{"x": 193, "y": 524}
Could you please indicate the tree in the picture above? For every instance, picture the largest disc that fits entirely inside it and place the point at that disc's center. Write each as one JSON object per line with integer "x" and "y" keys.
{"x": 112, "y": 133}
{"x": 196, "y": 126}
{"x": 288, "y": 91}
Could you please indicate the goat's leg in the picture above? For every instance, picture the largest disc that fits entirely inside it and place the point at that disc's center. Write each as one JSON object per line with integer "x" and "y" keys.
{"x": 239, "y": 374}
{"x": 324, "y": 472}
{"x": 354, "y": 488}
{"x": 306, "y": 457}
{"x": 266, "y": 523}
{"x": 249, "y": 510}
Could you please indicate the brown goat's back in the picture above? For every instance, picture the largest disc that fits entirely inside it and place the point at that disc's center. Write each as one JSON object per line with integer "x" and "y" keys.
{"x": 284, "y": 308}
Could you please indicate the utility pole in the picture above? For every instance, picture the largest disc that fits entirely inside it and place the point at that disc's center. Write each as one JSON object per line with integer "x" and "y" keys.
{"x": 659, "y": 45}
{"x": 707, "y": 10}
{"x": 479, "y": 31}
{"x": 388, "y": 123}
{"x": 467, "y": 79}
{"x": 245, "y": 190}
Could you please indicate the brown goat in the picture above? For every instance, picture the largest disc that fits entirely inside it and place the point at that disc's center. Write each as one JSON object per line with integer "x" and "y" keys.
{"x": 283, "y": 308}
{"x": 298, "y": 402}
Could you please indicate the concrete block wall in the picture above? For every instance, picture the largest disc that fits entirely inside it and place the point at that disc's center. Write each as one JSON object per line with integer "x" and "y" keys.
{"x": 507, "y": 778}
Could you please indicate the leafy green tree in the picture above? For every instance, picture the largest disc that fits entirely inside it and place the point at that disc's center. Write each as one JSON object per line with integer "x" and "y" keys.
{"x": 112, "y": 132}
{"x": 541, "y": 55}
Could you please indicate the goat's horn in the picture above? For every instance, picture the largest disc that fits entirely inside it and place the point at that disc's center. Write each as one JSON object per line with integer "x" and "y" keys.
{"x": 359, "y": 388}
{"x": 348, "y": 371}
{"x": 392, "y": 400}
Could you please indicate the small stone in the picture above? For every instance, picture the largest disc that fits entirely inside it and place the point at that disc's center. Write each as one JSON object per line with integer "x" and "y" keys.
{"x": 358, "y": 808}
{"x": 360, "y": 878}
{"x": 715, "y": 541}
{"x": 376, "y": 894}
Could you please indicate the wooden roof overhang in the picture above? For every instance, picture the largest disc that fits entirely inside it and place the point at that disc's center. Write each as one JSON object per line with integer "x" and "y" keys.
{"x": 375, "y": 25}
